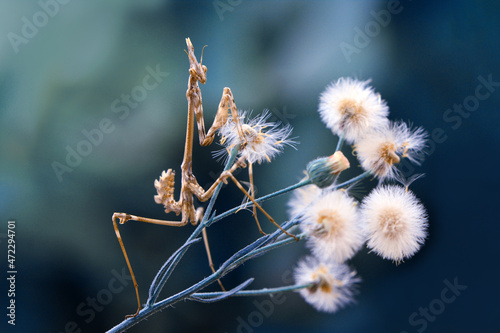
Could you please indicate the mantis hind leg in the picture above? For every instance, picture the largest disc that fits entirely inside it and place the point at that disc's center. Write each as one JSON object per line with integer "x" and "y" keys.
{"x": 252, "y": 194}
{"x": 242, "y": 189}
{"x": 136, "y": 286}
{"x": 122, "y": 217}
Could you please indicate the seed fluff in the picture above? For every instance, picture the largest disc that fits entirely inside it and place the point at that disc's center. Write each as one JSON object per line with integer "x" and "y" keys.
{"x": 382, "y": 149}
{"x": 259, "y": 139}
{"x": 333, "y": 227}
{"x": 395, "y": 222}
{"x": 333, "y": 284}
{"x": 350, "y": 108}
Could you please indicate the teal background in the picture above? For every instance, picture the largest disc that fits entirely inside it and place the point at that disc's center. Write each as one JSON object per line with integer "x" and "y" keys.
{"x": 279, "y": 55}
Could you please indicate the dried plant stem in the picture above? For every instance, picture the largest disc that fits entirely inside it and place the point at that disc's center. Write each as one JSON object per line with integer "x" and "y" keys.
{"x": 260, "y": 292}
{"x": 261, "y": 245}
{"x": 234, "y": 261}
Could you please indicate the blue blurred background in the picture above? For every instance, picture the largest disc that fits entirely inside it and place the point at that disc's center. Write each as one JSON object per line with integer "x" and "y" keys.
{"x": 67, "y": 67}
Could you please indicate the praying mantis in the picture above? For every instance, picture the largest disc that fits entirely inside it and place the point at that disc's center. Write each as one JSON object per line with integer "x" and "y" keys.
{"x": 190, "y": 188}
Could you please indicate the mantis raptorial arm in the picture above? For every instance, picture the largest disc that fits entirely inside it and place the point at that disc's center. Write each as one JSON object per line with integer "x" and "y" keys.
{"x": 198, "y": 74}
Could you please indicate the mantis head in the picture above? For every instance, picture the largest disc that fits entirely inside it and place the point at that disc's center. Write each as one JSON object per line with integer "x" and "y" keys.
{"x": 196, "y": 69}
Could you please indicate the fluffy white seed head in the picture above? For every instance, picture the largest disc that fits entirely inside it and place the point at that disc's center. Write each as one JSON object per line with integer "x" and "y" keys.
{"x": 382, "y": 149}
{"x": 332, "y": 224}
{"x": 350, "y": 108}
{"x": 334, "y": 284}
{"x": 259, "y": 139}
{"x": 395, "y": 222}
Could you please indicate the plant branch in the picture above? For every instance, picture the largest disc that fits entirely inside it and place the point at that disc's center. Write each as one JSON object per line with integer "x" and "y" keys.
{"x": 258, "y": 292}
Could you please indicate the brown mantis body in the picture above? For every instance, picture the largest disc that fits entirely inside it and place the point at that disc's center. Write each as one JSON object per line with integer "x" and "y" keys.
{"x": 189, "y": 184}
{"x": 227, "y": 111}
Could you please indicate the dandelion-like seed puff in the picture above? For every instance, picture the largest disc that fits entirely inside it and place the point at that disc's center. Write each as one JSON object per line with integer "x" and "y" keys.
{"x": 382, "y": 149}
{"x": 333, "y": 284}
{"x": 350, "y": 108}
{"x": 333, "y": 227}
{"x": 259, "y": 139}
{"x": 395, "y": 222}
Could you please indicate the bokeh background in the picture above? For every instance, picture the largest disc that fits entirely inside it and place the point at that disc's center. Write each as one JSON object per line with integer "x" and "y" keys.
{"x": 73, "y": 70}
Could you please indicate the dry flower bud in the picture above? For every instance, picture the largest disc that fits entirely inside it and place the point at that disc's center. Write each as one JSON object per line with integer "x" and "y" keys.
{"x": 323, "y": 171}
